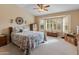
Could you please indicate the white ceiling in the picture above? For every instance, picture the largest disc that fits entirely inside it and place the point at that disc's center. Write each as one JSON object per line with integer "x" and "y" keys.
{"x": 54, "y": 8}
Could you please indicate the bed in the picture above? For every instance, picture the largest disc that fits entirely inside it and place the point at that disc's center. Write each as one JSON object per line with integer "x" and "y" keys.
{"x": 26, "y": 39}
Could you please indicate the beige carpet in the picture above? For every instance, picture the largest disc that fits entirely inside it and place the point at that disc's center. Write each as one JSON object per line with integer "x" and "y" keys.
{"x": 53, "y": 46}
{"x": 10, "y": 49}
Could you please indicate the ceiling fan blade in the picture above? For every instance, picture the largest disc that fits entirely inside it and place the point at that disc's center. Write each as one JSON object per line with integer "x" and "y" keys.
{"x": 47, "y": 6}
{"x": 40, "y": 5}
{"x": 46, "y": 9}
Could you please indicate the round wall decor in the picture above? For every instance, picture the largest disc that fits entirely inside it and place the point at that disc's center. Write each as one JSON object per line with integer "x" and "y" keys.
{"x": 19, "y": 20}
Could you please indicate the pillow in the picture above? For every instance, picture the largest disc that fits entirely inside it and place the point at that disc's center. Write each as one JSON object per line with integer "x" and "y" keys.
{"x": 20, "y": 29}
{"x": 15, "y": 29}
{"x": 25, "y": 30}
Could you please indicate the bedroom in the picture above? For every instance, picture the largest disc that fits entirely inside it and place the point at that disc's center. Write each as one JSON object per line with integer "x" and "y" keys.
{"x": 44, "y": 24}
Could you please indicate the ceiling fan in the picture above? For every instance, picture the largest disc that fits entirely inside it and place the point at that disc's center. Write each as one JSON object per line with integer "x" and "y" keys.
{"x": 42, "y": 7}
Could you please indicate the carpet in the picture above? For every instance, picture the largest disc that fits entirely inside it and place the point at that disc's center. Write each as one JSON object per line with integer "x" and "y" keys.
{"x": 53, "y": 46}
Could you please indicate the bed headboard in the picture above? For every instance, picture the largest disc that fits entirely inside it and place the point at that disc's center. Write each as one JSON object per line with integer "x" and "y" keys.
{"x": 16, "y": 29}
{"x": 10, "y": 31}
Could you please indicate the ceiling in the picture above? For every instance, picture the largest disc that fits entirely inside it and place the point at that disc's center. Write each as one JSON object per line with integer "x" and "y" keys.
{"x": 54, "y": 8}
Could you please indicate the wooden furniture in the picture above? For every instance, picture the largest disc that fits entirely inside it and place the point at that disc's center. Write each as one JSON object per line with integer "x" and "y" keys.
{"x": 3, "y": 40}
{"x": 71, "y": 39}
{"x": 10, "y": 31}
{"x": 77, "y": 37}
{"x": 33, "y": 27}
{"x": 52, "y": 34}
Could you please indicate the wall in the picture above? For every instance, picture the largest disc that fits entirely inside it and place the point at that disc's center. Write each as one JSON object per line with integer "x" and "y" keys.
{"x": 8, "y": 12}
{"x": 74, "y": 18}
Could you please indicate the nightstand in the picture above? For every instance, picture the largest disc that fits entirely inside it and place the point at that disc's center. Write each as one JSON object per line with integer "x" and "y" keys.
{"x": 3, "y": 40}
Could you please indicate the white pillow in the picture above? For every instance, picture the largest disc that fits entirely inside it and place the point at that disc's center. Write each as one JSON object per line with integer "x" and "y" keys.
{"x": 15, "y": 29}
{"x": 20, "y": 28}
{"x": 25, "y": 30}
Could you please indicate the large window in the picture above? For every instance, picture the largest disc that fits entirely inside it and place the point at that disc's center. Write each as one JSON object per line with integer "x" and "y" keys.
{"x": 56, "y": 24}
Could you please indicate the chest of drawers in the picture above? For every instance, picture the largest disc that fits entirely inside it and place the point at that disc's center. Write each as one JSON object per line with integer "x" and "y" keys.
{"x": 3, "y": 40}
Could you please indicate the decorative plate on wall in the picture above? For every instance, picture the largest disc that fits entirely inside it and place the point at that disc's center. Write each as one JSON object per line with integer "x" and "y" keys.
{"x": 19, "y": 20}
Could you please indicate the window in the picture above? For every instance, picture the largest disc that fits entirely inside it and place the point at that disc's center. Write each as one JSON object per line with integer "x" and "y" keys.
{"x": 42, "y": 25}
{"x": 56, "y": 24}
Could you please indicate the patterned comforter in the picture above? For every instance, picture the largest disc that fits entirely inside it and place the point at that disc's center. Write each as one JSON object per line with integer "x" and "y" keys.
{"x": 27, "y": 40}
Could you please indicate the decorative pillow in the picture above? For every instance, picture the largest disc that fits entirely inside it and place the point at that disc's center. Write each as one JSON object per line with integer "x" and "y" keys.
{"x": 26, "y": 28}
{"x": 15, "y": 29}
{"x": 21, "y": 30}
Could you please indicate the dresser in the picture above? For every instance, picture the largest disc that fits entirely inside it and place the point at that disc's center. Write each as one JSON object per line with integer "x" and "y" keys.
{"x": 3, "y": 40}
{"x": 71, "y": 39}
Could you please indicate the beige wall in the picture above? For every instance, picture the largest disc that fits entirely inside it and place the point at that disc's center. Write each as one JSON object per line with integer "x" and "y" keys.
{"x": 8, "y": 12}
{"x": 74, "y": 18}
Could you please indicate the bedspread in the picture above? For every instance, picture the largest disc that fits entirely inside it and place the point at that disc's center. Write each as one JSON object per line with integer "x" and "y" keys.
{"x": 27, "y": 40}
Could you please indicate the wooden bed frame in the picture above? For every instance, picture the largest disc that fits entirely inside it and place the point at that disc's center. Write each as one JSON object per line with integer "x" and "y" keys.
{"x": 10, "y": 31}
